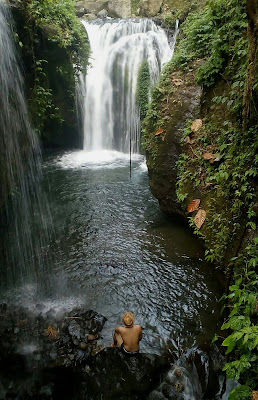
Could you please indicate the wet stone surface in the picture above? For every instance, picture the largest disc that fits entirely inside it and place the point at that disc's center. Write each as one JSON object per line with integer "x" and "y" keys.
{"x": 114, "y": 375}
{"x": 51, "y": 357}
{"x": 41, "y": 354}
{"x": 53, "y": 340}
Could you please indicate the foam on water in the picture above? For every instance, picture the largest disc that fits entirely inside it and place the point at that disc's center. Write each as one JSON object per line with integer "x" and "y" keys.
{"x": 98, "y": 159}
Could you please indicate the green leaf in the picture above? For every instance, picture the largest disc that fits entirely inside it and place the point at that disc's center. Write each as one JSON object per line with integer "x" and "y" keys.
{"x": 243, "y": 392}
{"x": 215, "y": 338}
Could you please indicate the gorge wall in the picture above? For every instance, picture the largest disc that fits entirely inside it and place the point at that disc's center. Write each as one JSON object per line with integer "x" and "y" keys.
{"x": 201, "y": 141}
{"x": 187, "y": 161}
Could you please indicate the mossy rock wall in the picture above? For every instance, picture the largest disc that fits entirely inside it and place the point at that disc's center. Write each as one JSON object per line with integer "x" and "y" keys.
{"x": 179, "y": 169}
{"x": 50, "y": 82}
{"x": 177, "y": 101}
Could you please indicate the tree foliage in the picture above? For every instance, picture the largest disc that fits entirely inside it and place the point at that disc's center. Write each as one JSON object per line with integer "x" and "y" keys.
{"x": 55, "y": 49}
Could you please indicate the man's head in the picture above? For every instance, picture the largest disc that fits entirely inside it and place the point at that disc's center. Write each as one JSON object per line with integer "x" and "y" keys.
{"x": 128, "y": 319}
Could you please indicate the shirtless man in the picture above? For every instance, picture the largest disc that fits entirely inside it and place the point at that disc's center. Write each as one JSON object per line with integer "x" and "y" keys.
{"x": 127, "y": 337}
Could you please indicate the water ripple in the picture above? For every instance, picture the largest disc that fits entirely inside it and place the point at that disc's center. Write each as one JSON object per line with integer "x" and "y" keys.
{"x": 117, "y": 251}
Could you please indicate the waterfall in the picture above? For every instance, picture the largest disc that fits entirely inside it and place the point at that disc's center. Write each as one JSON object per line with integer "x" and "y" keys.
{"x": 111, "y": 112}
{"x": 23, "y": 241}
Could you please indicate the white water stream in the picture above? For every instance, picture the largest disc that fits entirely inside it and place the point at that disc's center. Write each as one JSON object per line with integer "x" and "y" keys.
{"x": 111, "y": 112}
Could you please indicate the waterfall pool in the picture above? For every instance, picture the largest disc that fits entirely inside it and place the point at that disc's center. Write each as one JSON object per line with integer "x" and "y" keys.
{"x": 115, "y": 251}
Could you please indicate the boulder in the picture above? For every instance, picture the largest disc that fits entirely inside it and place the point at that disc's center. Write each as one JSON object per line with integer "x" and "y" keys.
{"x": 90, "y": 7}
{"x": 119, "y": 8}
{"x": 103, "y": 13}
{"x": 113, "y": 375}
{"x": 89, "y": 17}
{"x": 150, "y": 8}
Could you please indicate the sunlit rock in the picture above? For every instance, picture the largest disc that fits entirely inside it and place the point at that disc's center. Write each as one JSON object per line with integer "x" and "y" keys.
{"x": 90, "y": 7}
{"x": 119, "y": 8}
{"x": 150, "y": 8}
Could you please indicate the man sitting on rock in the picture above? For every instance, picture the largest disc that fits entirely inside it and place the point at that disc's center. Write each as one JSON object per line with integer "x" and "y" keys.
{"x": 127, "y": 337}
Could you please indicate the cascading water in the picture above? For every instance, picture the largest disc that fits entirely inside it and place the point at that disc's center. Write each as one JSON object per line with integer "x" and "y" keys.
{"x": 111, "y": 112}
{"x": 22, "y": 201}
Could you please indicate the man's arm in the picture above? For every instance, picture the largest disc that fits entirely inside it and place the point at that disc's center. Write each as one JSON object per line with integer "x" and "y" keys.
{"x": 117, "y": 330}
{"x": 140, "y": 334}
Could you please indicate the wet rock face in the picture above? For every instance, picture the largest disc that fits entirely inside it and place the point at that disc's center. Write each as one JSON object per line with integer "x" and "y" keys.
{"x": 55, "y": 341}
{"x": 37, "y": 350}
{"x": 195, "y": 375}
{"x": 114, "y": 375}
{"x": 183, "y": 104}
{"x": 51, "y": 357}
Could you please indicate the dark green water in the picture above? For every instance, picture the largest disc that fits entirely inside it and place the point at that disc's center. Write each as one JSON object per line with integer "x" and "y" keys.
{"x": 116, "y": 251}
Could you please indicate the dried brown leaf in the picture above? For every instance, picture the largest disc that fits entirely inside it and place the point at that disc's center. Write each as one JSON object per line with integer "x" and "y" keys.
{"x": 200, "y": 218}
{"x": 161, "y": 90}
{"x": 255, "y": 395}
{"x": 159, "y": 132}
{"x": 177, "y": 82}
{"x": 209, "y": 156}
{"x": 52, "y": 332}
{"x": 196, "y": 125}
{"x": 194, "y": 205}
{"x": 189, "y": 140}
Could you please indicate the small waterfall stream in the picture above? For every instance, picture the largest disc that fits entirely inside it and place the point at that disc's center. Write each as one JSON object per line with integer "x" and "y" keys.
{"x": 22, "y": 201}
{"x": 111, "y": 111}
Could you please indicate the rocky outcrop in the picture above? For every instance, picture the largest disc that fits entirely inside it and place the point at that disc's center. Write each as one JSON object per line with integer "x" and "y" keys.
{"x": 38, "y": 351}
{"x": 179, "y": 105}
{"x": 150, "y": 8}
{"x": 114, "y": 375}
{"x": 119, "y": 8}
{"x": 114, "y": 8}
{"x": 90, "y": 7}
{"x": 51, "y": 356}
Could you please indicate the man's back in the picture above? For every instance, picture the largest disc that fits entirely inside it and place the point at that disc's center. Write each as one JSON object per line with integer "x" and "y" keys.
{"x": 127, "y": 337}
{"x": 131, "y": 336}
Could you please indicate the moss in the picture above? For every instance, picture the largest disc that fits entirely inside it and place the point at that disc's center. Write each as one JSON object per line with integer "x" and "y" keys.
{"x": 135, "y": 5}
{"x": 179, "y": 9}
{"x": 143, "y": 88}
{"x": 54, "y": 48}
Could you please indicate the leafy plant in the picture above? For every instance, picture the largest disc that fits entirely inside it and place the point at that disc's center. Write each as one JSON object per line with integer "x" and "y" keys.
{"x": 143, "y": 88}
{"x": 55, "y": 48}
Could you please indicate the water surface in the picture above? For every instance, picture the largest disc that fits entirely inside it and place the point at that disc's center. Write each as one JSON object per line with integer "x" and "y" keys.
{"x": 116, "y": 251}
